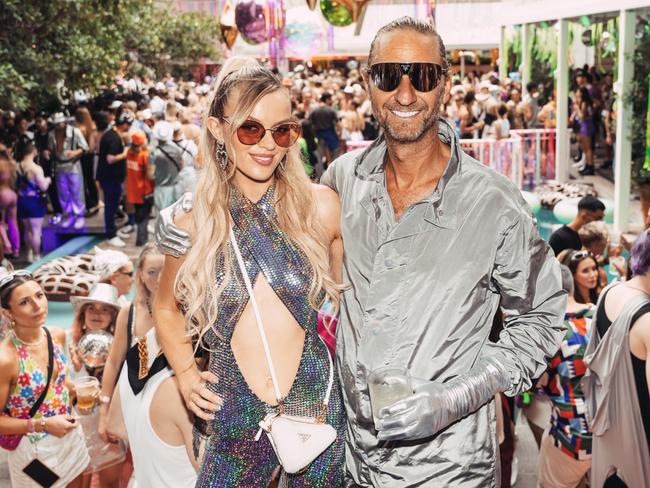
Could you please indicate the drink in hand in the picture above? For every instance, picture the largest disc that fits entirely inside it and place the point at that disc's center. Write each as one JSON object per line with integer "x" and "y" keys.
{"x": 387, "y": 386}
{"x": 87, "y": 388}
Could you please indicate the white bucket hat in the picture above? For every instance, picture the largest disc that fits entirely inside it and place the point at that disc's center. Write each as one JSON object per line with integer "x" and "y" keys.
{"x": 99, "y": 293}
{"x": 106, "y": 262}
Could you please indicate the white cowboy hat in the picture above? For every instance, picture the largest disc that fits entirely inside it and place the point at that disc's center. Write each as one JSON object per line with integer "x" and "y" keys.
{"x": 58, "y": 118}
{"x": 99, "y": 293}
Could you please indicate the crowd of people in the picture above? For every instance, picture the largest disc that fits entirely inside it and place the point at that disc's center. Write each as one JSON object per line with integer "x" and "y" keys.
{"x": 134, "y": 150}
{"x": 218, "y": 372}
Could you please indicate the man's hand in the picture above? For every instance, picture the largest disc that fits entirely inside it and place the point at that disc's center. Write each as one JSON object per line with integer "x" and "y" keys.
{"x": 421, "y": 415}
{"x": 434, "y": 406}
{"x": 169, "y": 238}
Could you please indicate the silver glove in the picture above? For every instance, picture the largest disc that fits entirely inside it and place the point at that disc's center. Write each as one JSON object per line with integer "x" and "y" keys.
{"x": 434, "y": 406}
{"x": 169, "y": 238}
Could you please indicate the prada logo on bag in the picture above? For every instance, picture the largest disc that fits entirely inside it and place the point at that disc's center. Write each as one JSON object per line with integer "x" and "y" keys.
{"x": 304, "y": 437}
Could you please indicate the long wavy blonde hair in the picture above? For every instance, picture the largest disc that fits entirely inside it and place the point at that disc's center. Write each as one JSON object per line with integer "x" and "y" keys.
{"x": 196, "y": 288}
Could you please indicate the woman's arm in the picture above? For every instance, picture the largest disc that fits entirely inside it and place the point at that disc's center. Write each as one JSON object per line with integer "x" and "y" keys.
{"x": 111, "y": 370}
{"x": 329, "y": 214}
{"x": 41, "y": 180}
{"x": 8, "y": 376}
{"x": 176, "y": 343}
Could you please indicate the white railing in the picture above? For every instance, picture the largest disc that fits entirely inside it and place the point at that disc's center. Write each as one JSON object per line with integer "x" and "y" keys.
{"x": 527, "y": 157}
{"x": 503, "y": 156}
{"x": 538, "y": 155}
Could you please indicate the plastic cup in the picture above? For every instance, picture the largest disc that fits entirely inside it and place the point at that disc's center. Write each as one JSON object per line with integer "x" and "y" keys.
{"x": 87, "y": 388}
{"x": 386, "y": 386}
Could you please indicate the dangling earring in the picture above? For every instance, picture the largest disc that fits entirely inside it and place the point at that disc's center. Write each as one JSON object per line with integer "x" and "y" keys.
{"x": 283, "y": 163}
{"x": 222, "y": 155}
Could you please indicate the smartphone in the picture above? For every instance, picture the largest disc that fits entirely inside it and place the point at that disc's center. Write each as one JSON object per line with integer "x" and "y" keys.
{"x": 41, "y": 474}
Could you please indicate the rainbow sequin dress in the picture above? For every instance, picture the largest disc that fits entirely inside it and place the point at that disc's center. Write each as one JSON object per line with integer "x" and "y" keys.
{"x": 232, "y": 456}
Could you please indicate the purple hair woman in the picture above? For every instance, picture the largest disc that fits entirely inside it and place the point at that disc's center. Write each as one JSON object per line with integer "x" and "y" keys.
{"x": 618, "y": 378}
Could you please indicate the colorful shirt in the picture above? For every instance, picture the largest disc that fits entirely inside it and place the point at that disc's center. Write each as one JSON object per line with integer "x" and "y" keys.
{"x": 569, "y": 425}
{"x": 30, "y": 384}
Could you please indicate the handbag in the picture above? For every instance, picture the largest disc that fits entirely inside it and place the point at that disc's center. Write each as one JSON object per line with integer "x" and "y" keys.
{"x": 297, "y": 441}
{"x": 10, "y": 441}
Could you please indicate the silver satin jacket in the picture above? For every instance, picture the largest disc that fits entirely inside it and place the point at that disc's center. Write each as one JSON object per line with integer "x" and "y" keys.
{"x": 424, "y": 293}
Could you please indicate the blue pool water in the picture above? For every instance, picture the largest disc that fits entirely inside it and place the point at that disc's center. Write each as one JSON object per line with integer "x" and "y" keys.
{"x": 62, "y": 313}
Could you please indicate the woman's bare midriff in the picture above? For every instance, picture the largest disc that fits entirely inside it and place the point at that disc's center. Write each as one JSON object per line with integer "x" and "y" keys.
{"x": 286, "y": 340}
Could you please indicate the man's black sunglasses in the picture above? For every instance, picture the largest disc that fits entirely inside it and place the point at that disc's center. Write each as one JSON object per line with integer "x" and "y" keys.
{"x": 423, "y": 76}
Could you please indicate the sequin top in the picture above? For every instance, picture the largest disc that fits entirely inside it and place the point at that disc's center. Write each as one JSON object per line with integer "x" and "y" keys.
{"x": 30, "y": 384}
{"x": 233, "y": 458}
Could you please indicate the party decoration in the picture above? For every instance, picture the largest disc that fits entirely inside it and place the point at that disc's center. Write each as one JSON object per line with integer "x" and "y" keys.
{"x": 303, "y": 32}
{"x": 585, "y": 21}
{"x": 250, "y": 17}
{"x": 566, "y": 210}
{"x": 312, "y": 4}
{"x": 356, "y": 7}
{"x": 94, "y": 347}
{"x": 336, "y": 12}
{"x": 228, "y": 26}
{"x": 533, "y": 201}
{"x": 586, "y": 37}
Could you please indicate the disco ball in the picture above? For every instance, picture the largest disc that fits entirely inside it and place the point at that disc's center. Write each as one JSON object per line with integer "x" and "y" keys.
{"x": 93, "y": 348}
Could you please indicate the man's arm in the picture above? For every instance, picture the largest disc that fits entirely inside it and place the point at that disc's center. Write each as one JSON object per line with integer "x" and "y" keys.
{"x": 527, "y": 277}
{"x": 116, "y": 151}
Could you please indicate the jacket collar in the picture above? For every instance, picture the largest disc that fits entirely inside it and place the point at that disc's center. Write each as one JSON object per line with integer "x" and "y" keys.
{"x": 370, "y": 165}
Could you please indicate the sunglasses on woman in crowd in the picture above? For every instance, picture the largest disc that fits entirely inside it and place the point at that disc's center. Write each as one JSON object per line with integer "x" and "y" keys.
{"x": 251, "y": 132}
{"x": 9, "y": 277}
{"x": 424, "y": 77}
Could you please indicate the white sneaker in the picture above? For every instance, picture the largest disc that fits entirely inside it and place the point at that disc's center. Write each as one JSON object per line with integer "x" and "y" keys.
{"x": 79, "y": 223}
{"x": 514, "y": 474}
{"x": 151, "y": 228}
{"x": 123, "y": 235}
{"x": 37, "y": 257}
{"x": 127, "y": 229}
{"x": 30, "y": 256}
{"x": 116, "y": 242}
{"x": 67, "y": 223}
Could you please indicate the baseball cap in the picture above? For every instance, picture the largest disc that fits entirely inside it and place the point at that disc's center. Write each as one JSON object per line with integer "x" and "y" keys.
{"x": 125, "y": 118}
{"x": 138, "y": 137}
{"x": 163, "y": 131}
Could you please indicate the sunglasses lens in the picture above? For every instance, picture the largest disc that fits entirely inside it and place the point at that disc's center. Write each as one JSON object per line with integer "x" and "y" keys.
{"x": 250, "y": 133}
{"x": 423, "y": 76}
{"x": 285, "y": 135}
{"x": 386, "y": 76}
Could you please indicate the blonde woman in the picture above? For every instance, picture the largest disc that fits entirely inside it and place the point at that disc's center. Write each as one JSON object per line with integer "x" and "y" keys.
{"x": 253, "y": 184}
{"x": 133, "y": 322}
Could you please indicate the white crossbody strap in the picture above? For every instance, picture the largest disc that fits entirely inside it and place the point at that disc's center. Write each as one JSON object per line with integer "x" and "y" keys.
{"x": 260, "y": 326}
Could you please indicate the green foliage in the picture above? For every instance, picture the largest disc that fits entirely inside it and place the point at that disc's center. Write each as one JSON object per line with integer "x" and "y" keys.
{"x": 637, "y": 98}
{"x": 50, "y": 48}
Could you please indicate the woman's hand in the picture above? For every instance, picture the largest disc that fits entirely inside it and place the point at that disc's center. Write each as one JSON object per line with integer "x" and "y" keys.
{"x": 74, "y": 357}
{"x": 60, "y": 425}
{"x": 102, "y": 427}
{"x": 199, "y": 400}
